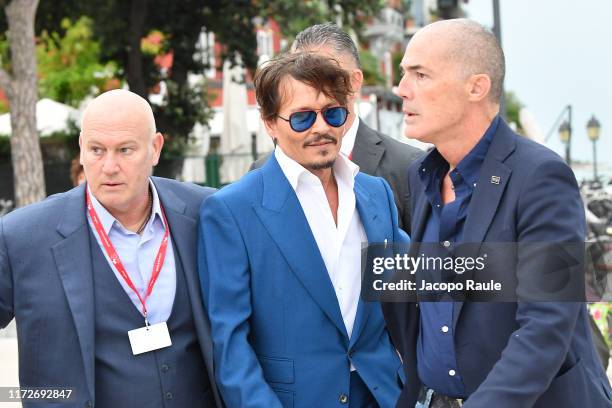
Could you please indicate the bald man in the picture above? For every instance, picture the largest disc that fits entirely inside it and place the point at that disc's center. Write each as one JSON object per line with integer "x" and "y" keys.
{"x": 485, "y": 184}
{"x": 102, "y": 279}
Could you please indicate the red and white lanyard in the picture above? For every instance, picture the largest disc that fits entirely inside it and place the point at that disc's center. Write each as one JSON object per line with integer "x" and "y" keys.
{"x": 114, "y": 257}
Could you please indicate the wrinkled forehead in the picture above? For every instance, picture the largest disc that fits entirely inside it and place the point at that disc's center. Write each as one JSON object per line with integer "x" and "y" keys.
{"x": 428, "y": 51}
{"x": 110, "y": 131}
{"x": 121, "y": 121}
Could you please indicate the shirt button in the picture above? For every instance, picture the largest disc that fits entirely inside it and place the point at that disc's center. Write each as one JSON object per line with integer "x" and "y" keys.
{"x": 343, "y": 398}
{"x": 444, "y": 329}
{"x": 165, "y": 368}
{"x": 446, "y": 244}
{"x": 168, "y": 395}
{"x": 438, "y": 205}
{"x": 451, "y": 373}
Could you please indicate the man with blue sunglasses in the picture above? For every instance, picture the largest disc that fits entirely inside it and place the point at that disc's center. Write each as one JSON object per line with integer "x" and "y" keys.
{"x": 375, "y": 153}
{"x": 280, "y": 257}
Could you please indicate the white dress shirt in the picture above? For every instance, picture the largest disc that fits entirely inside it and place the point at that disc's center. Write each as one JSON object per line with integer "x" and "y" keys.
{"x": 339, "y": 245}
{"x": 137, "y": 254}
{"x": 348, "y": 140}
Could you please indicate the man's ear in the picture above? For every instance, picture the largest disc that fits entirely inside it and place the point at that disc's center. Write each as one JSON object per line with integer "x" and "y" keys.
{"x": 478, "y": 87}
{"x": 81, "y": 148}
{"x": 158, "y": 143}
{"x": 271, "y": 127}
{"x": 356, "y": 80}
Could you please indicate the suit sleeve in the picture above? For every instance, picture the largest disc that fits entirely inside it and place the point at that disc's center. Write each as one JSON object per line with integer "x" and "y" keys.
{"x": 6, "y": 282}
{"x": 399, "y": 235}
{"x": 225, "y": 280}
{"x": 549, "y": 211}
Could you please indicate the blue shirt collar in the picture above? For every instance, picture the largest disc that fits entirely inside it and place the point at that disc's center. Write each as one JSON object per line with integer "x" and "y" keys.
{"x": 108, "y": 221}
{"x": 434, "y": 165}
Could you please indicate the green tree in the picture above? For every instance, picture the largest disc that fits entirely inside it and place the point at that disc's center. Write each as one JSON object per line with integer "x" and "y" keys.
{"x": 120, "y": 26}
{"x": 69, "y": 65}
{"x": 513, "y": 109}
{"x": 19, "y": 83}
{"x": 295, "y": 15}
{"x": 370, "y": 68}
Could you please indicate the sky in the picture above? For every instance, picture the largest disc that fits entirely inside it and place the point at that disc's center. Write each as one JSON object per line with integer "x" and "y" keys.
{"x": 559, "y": 52}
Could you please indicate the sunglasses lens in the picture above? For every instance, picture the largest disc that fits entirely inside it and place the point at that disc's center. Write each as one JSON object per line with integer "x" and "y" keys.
{"x": 300, "y": 121}
{"x": 335, "y": 116}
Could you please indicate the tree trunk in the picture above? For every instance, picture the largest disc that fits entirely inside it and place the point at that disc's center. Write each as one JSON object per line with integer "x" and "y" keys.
{"x": 22, "y": 92}
{"x": 135, "y": 73}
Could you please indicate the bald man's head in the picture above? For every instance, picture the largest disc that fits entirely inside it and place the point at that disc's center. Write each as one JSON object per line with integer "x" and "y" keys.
{"x": 453, "y": 75}
{"x": 472, "y": 47}
{"x": 120, "y": 106}
{"x": 119, "y": 147}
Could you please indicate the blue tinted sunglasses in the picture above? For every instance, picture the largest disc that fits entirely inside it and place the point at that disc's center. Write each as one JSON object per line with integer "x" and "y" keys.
{"x": 303, "y": 120}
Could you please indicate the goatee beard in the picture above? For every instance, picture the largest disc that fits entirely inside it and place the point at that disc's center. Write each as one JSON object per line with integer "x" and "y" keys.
{"x": 324, "y": 165}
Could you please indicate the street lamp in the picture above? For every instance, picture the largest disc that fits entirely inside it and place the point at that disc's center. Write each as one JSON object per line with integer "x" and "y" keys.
{"x": 565, "y": 131}
{"x": 565, "y": 134}
{"x": 593, "y": 128}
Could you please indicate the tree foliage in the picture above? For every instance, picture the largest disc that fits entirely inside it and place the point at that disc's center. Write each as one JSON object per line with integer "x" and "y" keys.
{"x": 513, "y": 109}
{"x": 69, "y": 65}
{"x": 294, "y": 15}
{"x": 371, "y": 71}
{"x": 119, "y": 26}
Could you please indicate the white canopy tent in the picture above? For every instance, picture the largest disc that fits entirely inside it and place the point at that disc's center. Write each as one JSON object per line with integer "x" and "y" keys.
{"x": 51, "y": 117}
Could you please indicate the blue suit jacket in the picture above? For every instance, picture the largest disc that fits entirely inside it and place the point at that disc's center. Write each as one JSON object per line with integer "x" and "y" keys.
{"x": 279, "y": 338}
{"x": 513, "y": 354}
{"x": 46, "y": 284}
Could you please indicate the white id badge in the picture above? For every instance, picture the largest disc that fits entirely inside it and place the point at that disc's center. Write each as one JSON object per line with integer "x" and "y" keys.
{"x": 149, "y": 338}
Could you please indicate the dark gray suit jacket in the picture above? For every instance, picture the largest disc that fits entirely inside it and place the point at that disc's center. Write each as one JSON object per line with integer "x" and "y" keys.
{"x": 46, "y": 284}
{"x": 379, "y": 155}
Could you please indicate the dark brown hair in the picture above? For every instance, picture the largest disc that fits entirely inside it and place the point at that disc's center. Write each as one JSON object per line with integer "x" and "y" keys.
{"x": 321, "y": 73}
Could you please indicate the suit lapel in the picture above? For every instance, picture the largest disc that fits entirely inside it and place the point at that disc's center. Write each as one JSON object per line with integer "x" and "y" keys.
{"x": 375, "y": 234}
{"x": 73, "y": 261}
{"x": 368, "y": 149}
{"x": 492, "y": 181}
{"x": 281, "y": 208}
{"x": 183, "y": 230}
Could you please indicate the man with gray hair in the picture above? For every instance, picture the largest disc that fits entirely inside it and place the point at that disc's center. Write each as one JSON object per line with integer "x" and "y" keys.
{"x": 375, "y": 153}
{"x": 485, "y": 184}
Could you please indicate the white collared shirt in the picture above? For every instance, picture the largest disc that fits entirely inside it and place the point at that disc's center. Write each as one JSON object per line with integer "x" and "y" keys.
{"x": 339, "y": 245}
{"x": 348, "y": 140}
{"x": 137, "y": 254}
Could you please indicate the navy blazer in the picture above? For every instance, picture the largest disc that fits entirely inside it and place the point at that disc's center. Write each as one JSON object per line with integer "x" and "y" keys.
{"x": 278, "y": 333}
{"x": 537, "y": 354}
{"x": 46, "y": 284}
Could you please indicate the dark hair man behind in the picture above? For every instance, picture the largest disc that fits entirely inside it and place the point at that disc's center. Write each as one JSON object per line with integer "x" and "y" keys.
{"x": 375, "y": 154}
{"x": 483, "y": 183}
{"x": 280, "y": 251}
{"x": 82, "y": 269}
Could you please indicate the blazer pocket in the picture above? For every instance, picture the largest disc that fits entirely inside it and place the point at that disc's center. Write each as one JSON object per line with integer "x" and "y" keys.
{"x": 564, "y": 389}
{"x": 285, "y": 397}
{"x": 277, "y": 370}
